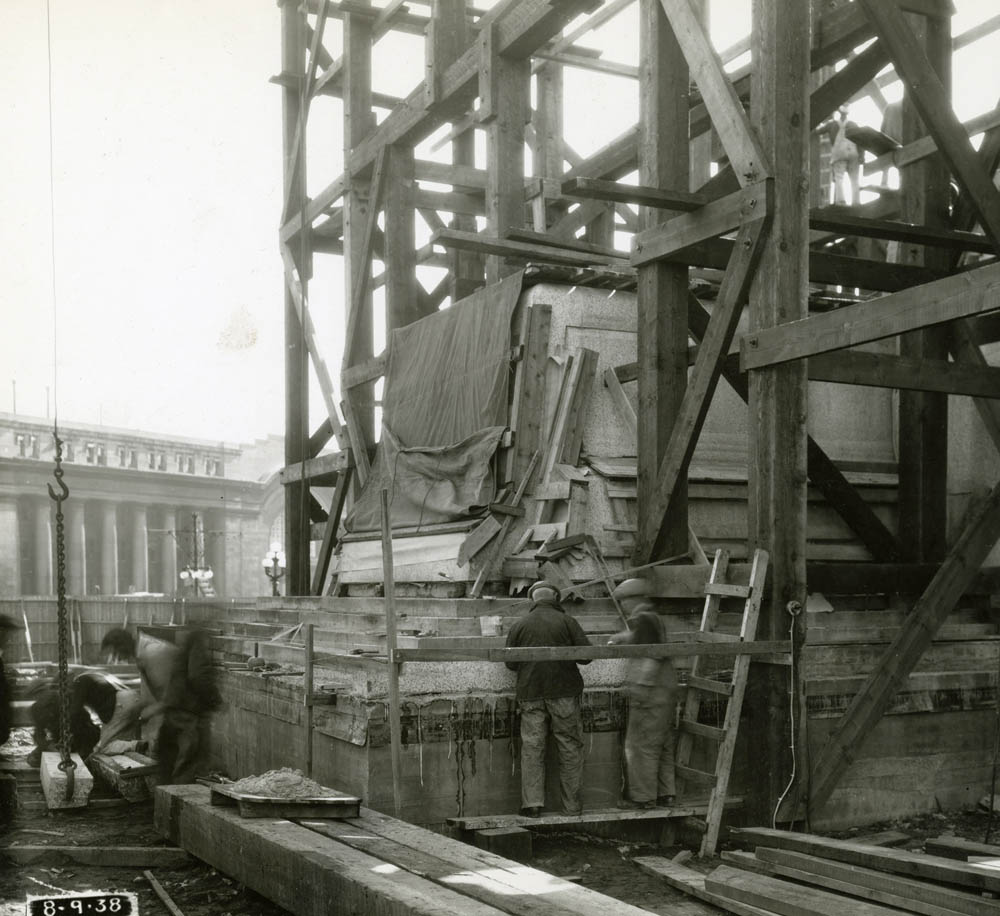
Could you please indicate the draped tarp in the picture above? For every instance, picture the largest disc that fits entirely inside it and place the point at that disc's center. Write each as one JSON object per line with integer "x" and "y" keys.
{"x": 444, "y": 409}
{"x": 427, "y": 486}
{"x": 447, "y": 374}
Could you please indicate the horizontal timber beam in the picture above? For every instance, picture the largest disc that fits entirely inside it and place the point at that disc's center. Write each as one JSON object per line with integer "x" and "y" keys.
{"x": 714, "y": 219}
{"x": 474, "y": 241}
{"x": 959, "y": 296}
{"x": 312, "y": 468}
{"x": 587, "y": 653}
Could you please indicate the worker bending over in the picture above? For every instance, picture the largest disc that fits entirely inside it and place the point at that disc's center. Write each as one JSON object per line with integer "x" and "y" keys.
{"x": 548, "y": 697}
{"x": 652, "y": 705}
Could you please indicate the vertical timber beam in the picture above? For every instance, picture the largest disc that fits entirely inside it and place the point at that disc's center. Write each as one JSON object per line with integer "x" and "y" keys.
{"x": 293, "y": 30}
{"x": 402, "y": 305}
{"x": 923, "y": 415}
{"x": 503, "y": 94}
{"x": 448, "y": 37}
{"x": 359, "y": 121}
{"x": 662, "y": 287}
{"x": 778, "y": 395}
{"x": 546, "y": 150}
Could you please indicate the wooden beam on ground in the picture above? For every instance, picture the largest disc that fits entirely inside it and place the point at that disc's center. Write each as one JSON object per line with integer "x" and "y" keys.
{"x": 101, "y": 856}
{"x": 894, "y": 861}
{"x": 907, "y": 894}
{"x": 714, "y": 219}
{"x": 953, "y": 578}
{"x": 692, "y": 883}
{"x": 960, "y": 296}
{"x": 739, "y": 139}
{"x": 733, "y": 293}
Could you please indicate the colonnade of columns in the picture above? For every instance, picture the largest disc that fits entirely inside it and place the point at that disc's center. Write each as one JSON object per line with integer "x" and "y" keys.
{"x": 111, "y": 547}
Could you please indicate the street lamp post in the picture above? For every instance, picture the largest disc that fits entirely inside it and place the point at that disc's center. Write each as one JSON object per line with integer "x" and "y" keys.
{"x": 274, "y": 566}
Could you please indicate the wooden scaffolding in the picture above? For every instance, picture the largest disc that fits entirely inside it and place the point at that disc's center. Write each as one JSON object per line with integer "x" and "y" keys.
{"x": 752, "y": 217}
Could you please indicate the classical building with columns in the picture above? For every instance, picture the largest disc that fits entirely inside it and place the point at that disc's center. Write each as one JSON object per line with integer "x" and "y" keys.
{"x": 142, "y": 508}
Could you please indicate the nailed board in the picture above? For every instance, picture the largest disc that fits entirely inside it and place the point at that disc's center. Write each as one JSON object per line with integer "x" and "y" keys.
{"x": 132, "y": 775}
{"x": 339, "y": 806}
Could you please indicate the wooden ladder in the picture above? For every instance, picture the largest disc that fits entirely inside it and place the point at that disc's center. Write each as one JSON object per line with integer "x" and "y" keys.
{"x": 716, "y": 589}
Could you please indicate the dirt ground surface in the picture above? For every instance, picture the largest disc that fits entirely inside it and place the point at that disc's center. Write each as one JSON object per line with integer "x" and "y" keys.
{"x": 197, "y": 890}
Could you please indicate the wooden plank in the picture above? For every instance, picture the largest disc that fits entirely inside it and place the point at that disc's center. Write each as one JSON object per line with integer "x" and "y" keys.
{"x": 894, "y": 861}
{"x": 110, "y": 856}
{"x": 717, "y": 218}
{"x": 848, "y": 224}
{"x": 953, "y": 847}
{"x": 312, "y": 468}
{"x": 330, "y": 532}
{"x": 571, "y": 441}
{"x": 599, "y": 816}
{"x": 785, "y": 897}
{"x": 693, "y": 883}
{"x": 728, "y": 117}
{"x": 502, "y": 888}
{"x": 358, "y": 439}
{"x": 529, "y": 387}
{"x": 478, "y": 538}
{"x": 960, "y": 296}
{"x": 472, "y": 241}
{"x": 933, "y": 102}
{"x": 701, "y": 384}
{"x": 402, "y": 304}
{"x": 578, "y": 653}
{"x": 885, "y": 371}
{"x": 643, "y": 195}
{"x": 295, "y": 867}
{"x": 622, "y": 404}
{"x": 906, "y": 893}
{"x": 965, "y": 557}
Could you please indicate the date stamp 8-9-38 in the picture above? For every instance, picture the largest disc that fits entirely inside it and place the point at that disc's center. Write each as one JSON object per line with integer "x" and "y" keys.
{"x": 84, "y": 903}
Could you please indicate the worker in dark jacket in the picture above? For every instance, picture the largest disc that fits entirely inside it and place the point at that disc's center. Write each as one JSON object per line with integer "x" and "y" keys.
{"x": 548, "y": 697}
{"x": 652, "y": 706}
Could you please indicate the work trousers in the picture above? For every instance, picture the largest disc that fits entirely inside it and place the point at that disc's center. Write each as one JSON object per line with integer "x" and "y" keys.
{"x": 183, "y": 747}
{"x": 562, "y": 717}
{"x": 649, "y": 743}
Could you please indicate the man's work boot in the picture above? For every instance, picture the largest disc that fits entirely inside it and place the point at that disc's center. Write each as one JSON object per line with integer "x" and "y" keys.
{"x": 531, "y": 811}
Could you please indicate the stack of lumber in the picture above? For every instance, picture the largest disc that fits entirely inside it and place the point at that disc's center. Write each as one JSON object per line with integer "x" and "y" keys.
{"x": 797, "y": 874}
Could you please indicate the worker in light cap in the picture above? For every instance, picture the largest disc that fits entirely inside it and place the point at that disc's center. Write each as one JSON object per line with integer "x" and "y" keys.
{"x": 548, "y": 698}
{"x": 651, "y": 684}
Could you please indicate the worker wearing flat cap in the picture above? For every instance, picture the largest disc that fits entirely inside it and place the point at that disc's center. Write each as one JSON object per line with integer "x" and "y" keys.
{"x": 548, "y": 698}
{"x": 7, "y": 625}
{"x": 651, "y": 684}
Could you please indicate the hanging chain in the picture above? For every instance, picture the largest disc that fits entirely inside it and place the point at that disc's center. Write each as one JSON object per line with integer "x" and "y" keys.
{"x": 66, "y": 763}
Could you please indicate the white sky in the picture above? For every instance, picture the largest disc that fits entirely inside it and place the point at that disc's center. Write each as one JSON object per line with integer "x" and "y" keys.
{"x": 166, "y": 171}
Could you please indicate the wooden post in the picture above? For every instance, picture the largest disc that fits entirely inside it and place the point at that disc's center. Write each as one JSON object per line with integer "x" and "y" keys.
{"x": 296, "y": 355}
{"x": 402, "y": 307}
{"x": 359, "y": 121}
{"x": 395, "y": 737}
{"x": 662, "y": 288}
{"x": 778, "y": 395}
{"x": 923, "y": 416}
{"x": 308, "y": 716}
{"x": 503, "y": 91}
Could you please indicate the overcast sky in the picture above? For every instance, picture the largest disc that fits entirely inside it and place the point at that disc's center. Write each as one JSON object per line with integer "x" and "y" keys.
{"x": 166, "y": 310}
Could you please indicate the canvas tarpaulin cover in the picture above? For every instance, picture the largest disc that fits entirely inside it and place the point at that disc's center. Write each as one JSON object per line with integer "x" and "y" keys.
{"x": 444, "y": 409}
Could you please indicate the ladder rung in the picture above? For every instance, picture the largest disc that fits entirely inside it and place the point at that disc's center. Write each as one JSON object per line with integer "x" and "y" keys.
{"x": 724, "y": 590}
{"x": 712, "y": 636}
{"x": 712, "y": 686}
{"x": 706, "y": 731}
{"x": 696, "y": 776}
